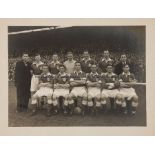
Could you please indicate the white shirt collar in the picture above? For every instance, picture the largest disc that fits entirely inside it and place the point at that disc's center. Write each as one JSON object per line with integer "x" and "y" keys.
{"x": 36, "y": 63}
{"x": 64, "y": 74}
{"x": 77, "y": 73}
{"x": 109, "y": 59}
{"x": 71, "y": 60}
{"x": 108, "y": 74}
{"x": 94, "y": 73}
{"x": 57, "y": 62}
{"x": 87, "y": 59}
{"x": 48, "y": 73}
{"x": 126, "y": 73}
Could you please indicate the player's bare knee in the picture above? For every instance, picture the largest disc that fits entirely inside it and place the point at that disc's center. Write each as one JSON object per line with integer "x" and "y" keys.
{"x": 54, "y": 97}
{"x": 98, "y": 97}
{"x": 70, "y": 96}
{"x": 70, "y": 99}
{"x": 66, "y": 97}
{"x": 85, "y": 96}
{"x": 135, "y": 98}
{"x": 119, "y": 97}
{"x": 103, "y": 97}
{"x": 89, "y": 98}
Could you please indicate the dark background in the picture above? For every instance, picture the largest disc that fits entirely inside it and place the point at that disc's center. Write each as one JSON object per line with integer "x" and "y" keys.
{"x": 94, "y": 38}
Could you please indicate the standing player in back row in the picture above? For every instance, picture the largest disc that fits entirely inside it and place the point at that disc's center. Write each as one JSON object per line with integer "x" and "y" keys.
{"x": 105, "y": 61}
{"x": 54, "y": 65}
{"x": 86, "y": 62}
{"x": 127, "y": 79}
{"x": 69, "y": 63}
{"x": 36, "y": 72}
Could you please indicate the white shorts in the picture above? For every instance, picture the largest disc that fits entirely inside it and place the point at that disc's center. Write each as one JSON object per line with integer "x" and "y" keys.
{"x": 110, "y": 93}
{"x": 93, "y": 91}
{"x": 44, "y": 91}
{"x": 128, "y": 92}
{"x": 34, "y": 83}
{"x": 79, "y": 91}
{"x": 61, "y": 92}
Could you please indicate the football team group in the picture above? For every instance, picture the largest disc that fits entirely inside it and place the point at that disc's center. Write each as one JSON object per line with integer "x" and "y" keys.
{"x": 86, "y": 87}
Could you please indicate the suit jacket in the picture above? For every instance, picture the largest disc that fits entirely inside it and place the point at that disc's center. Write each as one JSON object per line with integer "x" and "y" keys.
{"x": 119, "y": 67}
{"x": 23, "y": 74}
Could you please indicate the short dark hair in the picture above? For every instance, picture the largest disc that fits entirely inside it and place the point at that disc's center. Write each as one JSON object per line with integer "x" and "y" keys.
{"x": 44, "y": 65}
{"x": 25, "y": 53}
{"x": 105, "y": 50}
{"x": 69, "y": 52}
{"x": 109, "y": 65}
{"x": 37, "y": 54}
{"x": 55, "y": 54}
{"x": 123, "y": 54}
{"x": 78, "y": 62}
{"x": 86, "y": 51}
{"x": 61, "y": 65}
{"x": 126, "y": 65}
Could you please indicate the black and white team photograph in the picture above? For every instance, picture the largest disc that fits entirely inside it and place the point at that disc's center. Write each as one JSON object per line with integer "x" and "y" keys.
{"x": 76, "y": 76}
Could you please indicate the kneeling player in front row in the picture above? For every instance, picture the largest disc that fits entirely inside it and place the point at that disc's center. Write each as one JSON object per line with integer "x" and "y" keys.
{"x": 61, "y": 89}
{"x": 45, "y": 90}
{"x": 110, "y": 89}
{"x": 127, "y": 79}
{"x": 78, "y": 89}
{"x": 96, "y": 101}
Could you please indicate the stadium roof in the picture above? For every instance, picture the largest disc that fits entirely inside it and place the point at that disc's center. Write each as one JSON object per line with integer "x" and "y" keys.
{"x": 25, "y": 28}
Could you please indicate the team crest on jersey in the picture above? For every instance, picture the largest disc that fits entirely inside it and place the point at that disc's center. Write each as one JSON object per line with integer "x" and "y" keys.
{"x": 48, "y": 78}
{"x": 97, "y": 78}
{"x": 130, "y": 79}
{"x": 64, "y": 79}
{"x": 40, "y": 67}
{"x": 89, "y": 65}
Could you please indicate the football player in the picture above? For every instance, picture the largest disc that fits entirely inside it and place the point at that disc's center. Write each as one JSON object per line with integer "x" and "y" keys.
{"x": 110, "y": 89}
{"x": 61, "y": 89}
{"x": 54, "y": 65}
{"x": 105, "y": 61}
{"x": 45, "y": 89}
{"x": 78, "y": 89}
{"x": 127, "y": 80}
{"x": 36, "y": 72}
{"x": 86, "y": 62}
{"x": 70, "y": 63}
{"x": 94, "y": 90}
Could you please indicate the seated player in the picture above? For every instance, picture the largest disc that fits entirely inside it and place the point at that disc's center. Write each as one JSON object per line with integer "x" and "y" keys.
{"x": 127, "y": 79}
{"x": 44, "y": 90}
{"x": 95, "y": 100}
{"x": 78, "y": 88}
{"x": 110, "y": 89}
{"x": 61, "y": 89}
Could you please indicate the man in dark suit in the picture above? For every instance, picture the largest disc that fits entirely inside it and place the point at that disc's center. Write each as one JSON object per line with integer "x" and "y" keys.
{"x": 23, "y": 82}
{"x": 123, "y": 61}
